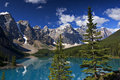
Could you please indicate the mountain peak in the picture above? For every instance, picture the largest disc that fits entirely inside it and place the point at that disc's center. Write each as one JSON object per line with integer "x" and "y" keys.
{"x": 45, "y": 27}
{"x": 4, "y": 13}
{"x": 23, "y": 22}
{"x": 36, "y": 27}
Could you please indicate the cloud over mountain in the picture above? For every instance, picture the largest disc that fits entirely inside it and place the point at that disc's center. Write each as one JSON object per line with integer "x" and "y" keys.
{"x": 80, "y": 20}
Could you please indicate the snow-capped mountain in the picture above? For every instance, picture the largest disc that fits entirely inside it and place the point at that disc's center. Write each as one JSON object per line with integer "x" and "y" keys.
{"x": 105, "y": 32}
{"x": 70, "y": 36}
{"x": 9, "y": 26}
{"x": 22, "y": 32}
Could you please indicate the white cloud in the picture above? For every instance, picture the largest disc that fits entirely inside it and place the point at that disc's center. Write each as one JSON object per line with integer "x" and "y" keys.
{"x": 39, "y": 7}
{"x": 6, "y": 4}
{"x": 60, "y": 11}
{"x": 113, "y": 13}
{"x": 63, "y": 18}
{"x": 66, "y": 18}
{"x": 80, "y": 21}
{"x": 99, "y": 20}
{"x": 36, "y": 1}
{"x": 96, "y": 19}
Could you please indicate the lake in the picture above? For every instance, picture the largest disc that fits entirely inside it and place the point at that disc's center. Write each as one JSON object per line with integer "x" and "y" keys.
{"x": 38, "y": 69}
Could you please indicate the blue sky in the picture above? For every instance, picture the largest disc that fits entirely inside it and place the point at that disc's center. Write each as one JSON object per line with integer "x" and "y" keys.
{"x": 59, "y": 12}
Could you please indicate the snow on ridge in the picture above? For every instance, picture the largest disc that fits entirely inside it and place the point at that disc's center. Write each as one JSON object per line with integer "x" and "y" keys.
{"x": 4, "y": 13}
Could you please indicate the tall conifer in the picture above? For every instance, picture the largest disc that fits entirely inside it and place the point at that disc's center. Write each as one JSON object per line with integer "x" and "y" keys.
{"x": 60, "y": 66}
{"x": 95, "y": 61}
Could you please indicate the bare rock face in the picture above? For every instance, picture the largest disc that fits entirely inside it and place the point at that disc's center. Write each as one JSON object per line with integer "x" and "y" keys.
{"x": 34, "y": 33}
{"x": 27, "y": 31}
{"x": 70, "y": 36}
{"x": 9, "y": 26}
{"x": 44, "y": 37}
{"x": 7, "y": 48}
{"x": 104, "y": 32}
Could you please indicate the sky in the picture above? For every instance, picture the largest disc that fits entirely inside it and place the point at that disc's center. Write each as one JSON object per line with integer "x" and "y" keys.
{"x": 54, "y": 13}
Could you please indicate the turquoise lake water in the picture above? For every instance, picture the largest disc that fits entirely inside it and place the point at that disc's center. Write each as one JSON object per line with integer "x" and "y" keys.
{"x": 38, "y": 69}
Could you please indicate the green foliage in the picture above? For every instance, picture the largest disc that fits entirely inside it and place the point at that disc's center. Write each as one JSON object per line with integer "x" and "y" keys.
{"x": 113, "y": 43}
{"x": 3, "y": 76}
{"x": 95, "y": 61}
{"x": 112, "y": 76}
{"x": 60, "y": 66}
{"x": 44, "y": 53}
{"x": 13, "y": 61}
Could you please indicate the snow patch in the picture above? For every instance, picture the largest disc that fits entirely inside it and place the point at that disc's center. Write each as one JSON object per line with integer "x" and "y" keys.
{"x": 70, "y": 45}
{"x": 4, "y": 13}
{"x": 25, "y": 38}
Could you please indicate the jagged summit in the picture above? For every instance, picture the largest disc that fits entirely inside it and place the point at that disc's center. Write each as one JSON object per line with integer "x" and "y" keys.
{"x": 24, "y": 22}
{"x": 36, "y": 27}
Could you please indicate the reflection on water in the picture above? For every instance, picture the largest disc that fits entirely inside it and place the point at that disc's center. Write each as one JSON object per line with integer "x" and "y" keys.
{"x": 38, "y": 69}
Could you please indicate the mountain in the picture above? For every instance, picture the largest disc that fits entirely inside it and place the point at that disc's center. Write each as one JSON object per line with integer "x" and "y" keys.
{"x": 7, "y": 48}
{"x": 24, "y": 35}
{"x": 111, "y": 43}
{"x": 27, "y": 31}
{"x": 113, "y": 39}
{"x": 70, "y": 36}
{"x": 104, "y": 31}
{"x": 9, "y": 26}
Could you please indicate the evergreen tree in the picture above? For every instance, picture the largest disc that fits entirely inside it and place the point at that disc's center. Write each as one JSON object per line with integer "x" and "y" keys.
{"x": 60, "y": 66}
{"x": 13, "y": 61}
{"x": 95, "y": 61}
{"x": 3, "y": 76}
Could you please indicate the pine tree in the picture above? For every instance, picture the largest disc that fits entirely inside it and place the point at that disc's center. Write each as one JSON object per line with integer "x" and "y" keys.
{"x": 3, "y": 76}
{"x": 60, "y": 66}
{"x": 95, "y": 61}
{"x": 13, "y": 61}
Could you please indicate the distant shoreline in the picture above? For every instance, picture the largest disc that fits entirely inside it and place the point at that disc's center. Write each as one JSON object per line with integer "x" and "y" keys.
{"x": 11, "y": 67}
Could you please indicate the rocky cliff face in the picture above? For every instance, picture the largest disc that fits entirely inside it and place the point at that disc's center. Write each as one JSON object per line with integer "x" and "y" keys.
{"x": 9, "y": 26}
{"x": 70, "y": 36}
{"x": 7, "y": 48}
{"x": 31, "y": 34}
{"x": 27, "y": 31}
{"x": 104, "y": 32}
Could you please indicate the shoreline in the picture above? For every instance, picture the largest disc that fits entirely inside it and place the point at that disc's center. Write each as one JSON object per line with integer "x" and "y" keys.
{"x": 17, "y": 65}
{"x": 11, "y": 67}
